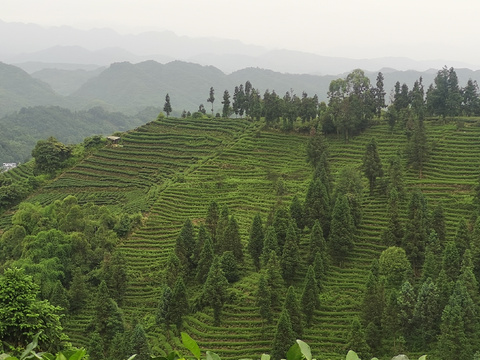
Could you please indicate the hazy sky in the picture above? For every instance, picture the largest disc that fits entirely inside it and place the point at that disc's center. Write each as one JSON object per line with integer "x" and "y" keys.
{"x": 419, "y": 29}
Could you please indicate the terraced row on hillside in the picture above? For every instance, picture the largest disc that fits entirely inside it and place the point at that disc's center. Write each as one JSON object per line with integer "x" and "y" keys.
{"x": 173, "y": 168}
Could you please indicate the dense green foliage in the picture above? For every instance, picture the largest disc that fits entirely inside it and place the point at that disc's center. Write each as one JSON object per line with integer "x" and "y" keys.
{"x": 172, "y": 169}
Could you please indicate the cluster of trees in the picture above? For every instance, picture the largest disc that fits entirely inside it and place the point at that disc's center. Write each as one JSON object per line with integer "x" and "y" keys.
{"x": 422, "y": 293}
{"x": 66, "y": 251}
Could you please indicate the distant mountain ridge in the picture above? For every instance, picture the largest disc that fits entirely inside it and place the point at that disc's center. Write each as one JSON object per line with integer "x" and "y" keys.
{"x": 105, "y": 46}
{"x": 131, "y": 87}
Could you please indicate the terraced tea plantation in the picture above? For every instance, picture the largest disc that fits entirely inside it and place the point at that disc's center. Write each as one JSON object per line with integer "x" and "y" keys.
{"x": 171, "y": 169}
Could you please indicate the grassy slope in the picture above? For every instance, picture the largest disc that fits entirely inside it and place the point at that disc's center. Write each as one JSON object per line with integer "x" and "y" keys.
{"x": 180, "y": 165}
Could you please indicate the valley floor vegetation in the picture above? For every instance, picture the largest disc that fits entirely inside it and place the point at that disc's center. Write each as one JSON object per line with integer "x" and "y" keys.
{"x": 349, "y": 225}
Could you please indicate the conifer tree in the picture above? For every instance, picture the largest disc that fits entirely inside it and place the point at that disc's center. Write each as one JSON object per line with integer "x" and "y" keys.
{"x": 341, "y": 230}
{"x": 395, "y": 175}
{"x": 416, "y": 230}
{"x": 468, "y": 278}
{"x": 222, "y": 225}
{"x": 357, "y": 339}
{"x": 211, "y": 220}
{"x": 179, "y": 304}
{"x": 163, "y": 310}
{"x": 451, "y": 261}
{"x": 309, "y": 301}
{"x": 316, "y": 147}
{"x": 273, "y": 276}
{"x": 59, "y": 296}
{"x": 281, "y": 222}
{"x": 432, "y": 264}
{"x": 406, "y": 305}
{"x": 270, "y": 244}
{"x": 319, "y": 269}
{"x": 350, "y": 185}
{"x": 292, "y": 307}
{"x": 255, "y": 243}
{"x": 290, "y": 257}
{"x": 475, "y": 248}
{"x": 205, "y": 261}
{"x": 296, "y": 213}
{"x": 317, "y": 205}
{"x": 202, "y": 235}
{"x": 317, "y": 245}
{"x": 393, "y": 233}
{"x": 167, "y": 107}
{"x": 427, "y": 313}
{"x": 372, "y": 165}
{"x": 438, "y": 223}
{"x": 284, "y": 337}
{"x": 78, "y": 291}
{"x": 95, "y": 347}
{"x": 140, "y": 343}
{"x": 231, "y": 241}
{"x": 173, "y": 270}
{"x": 264, "y": 300}
{"x": 215, "y": 289}
{"x": 417, "y": 149}
{"x": 185, "y": 244}
{"x": 373, "y": 303}
{"x": 115, "y": 274}
{"x": 228, "y": 264}
{"x": 226, "y": 104}
{"x": 462, "y": 237}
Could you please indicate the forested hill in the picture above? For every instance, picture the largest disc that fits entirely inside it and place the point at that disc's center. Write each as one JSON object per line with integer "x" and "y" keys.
{"x": 21, "y": 130}
{"x": 18, "y": 89}
{"x": 209, "y": 187}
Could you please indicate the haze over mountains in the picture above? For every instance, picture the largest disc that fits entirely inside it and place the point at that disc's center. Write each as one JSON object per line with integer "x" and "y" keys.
{"x": 80, "y": 70}
{"x": 101, "y": 47}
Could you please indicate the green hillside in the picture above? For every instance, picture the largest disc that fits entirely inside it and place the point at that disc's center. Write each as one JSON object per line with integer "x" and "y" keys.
{"x": 171, "y": 169}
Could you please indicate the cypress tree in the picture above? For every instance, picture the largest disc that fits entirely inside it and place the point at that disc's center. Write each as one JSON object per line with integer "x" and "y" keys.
{"x": 185, "y": 244}
{"x": 270, "y": 244}
{"x": 273, "y": 276}
{"x": 462, "y": 237}
{"x": 468, "y": 278}
{"x": 341, "y": 230}
{"x": 349, "y": 185}
{"x": 406, "y": 306}
{"x": 211, "y": 220}
{"x": 179, "y": 305}
{"x": 215, "y": 289}
{"x": 427, "y": 313}
{"x": 357, "y": 339}
{"x": 317, "y": 205}
{"x": 416, "y": 230}
{"x": 309, "y": 300}
{"x": 475, "y": 248}
{"x": 284, "y": 337}
{"x": 372, "y": 165}
{"x": 290, "y": 259}
{"x": 222, "y": 224}
{"x": 317, "y": 244}
{"x": 78, "y": 291}
{"x": 264, "y": 300}
{"x": 296, "y": 213}
{"x": 173, "y": 270}
{"x": 228, "y": 264}
{"x": 163, "y": 310}
{"x": 292, "y": 307}
{"x": 281, "y": 222}
{"x": 199, "y": 243}
{"x": 393, "y": 233}
{"x": 205, "y": 261}
{"x": 417, "y": 148}
{"x": 140, "y": 343}
{"x": 319, "y": 269}
{"x": 438, "y": 223}
{"x": 231, "y": 241}
{"x": 373, "y": 304}
{"x": 95, "y": 347}
{"x": 255, "y": 243}
{"x": 451, "y": 261}
{"x": 395, "y": 176}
